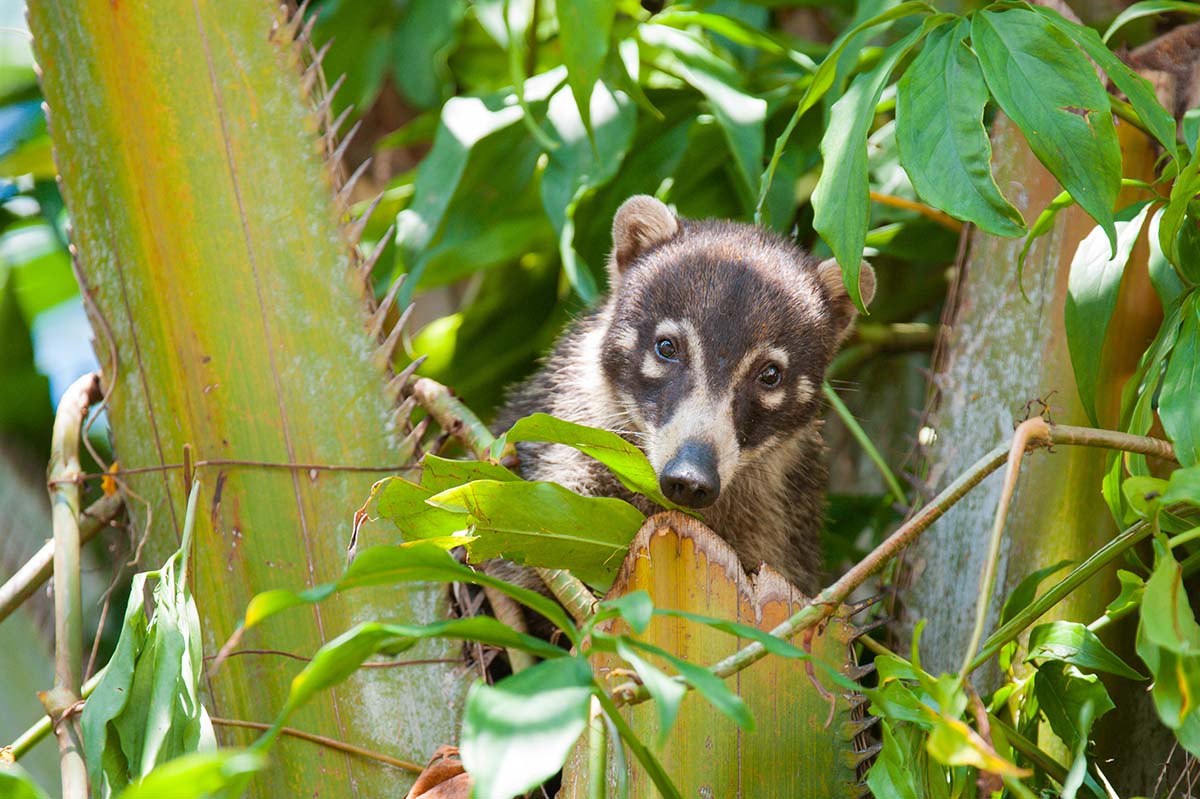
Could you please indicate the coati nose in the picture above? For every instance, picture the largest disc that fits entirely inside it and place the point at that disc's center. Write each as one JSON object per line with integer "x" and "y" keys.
{"x": 690, "y": 478}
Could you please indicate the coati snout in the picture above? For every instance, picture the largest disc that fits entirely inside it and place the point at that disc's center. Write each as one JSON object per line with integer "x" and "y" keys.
{"x": 708, "y": 354}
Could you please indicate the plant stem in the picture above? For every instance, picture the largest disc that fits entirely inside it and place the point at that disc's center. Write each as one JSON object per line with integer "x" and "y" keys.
{"x": 1077, "y": 576}
{"x": 61, "y": 700}
{"x": 864, "y": 441}
{"x": 459, "y": 421}
{"x": 38, "y": 569}
{"x": 1029, "y": 433}
{"x": 945, "y": 220}
{"x": 41, "y": 728}
{"x": 330, "y": 743}
{"x": 597, "y": 753}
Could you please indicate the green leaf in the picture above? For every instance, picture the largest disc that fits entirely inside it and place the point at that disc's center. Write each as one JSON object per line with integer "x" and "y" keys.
{"x": 420, "y": 48}
{"x": 1132, "y": 590}
{"x": 417, "y": 561}
{"x": 635, "y": 608}
{"x": 1184, "y": 486}
{"x": 1026, "y": 591}
{"x": 584, "y": 27}
{"x": 943, "y": 144}
{"x": 741, "y": 115}
{"x": 735, "y": 30}
{"x": 403, "y": 503}
{"x": 1041, "y": 226}
{"x": 1092, "y": 289}
{"x": 1166, "y": 281}
{"x": 710, "y": 686}
{"x": 1071, "y": 642}
{"x": 1061, "y": 691}
{"x": 15, "y": 783}
{"x": 544, "y": 524}
{"x": 342, "y": 656}
{"x": 439, "y": 474}
{"x": 199, "y": 775}
{"x": 840, "y": 200}
{"x": 823, "y": 79}
{"x": 578, "y": 166}
{"x": 1148, "y": 8}
{"x": 894, "y": 774}
{"x": 1157, "y": 119}
{"x": 627, "y": 463}
{"x": 517, "y": 733}
{"x": 953, "y": 743}
{"x": 666, "y": 692}
{"x": 1042, "y": 81}
{"x": 1078, "y": 770}
{"x": 1179, "y": 402}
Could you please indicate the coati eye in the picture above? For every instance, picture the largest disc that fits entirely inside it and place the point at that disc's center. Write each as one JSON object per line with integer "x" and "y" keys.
{"x": 666, "y": 349}
{"x": 770, "y": 376}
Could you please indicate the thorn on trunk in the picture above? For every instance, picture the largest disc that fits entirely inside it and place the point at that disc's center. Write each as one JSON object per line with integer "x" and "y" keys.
{"x": 326, "y": 103}
{"x": 356, "y": 230}
{"x": 410, "y": 446}
{"x": 375, "y": 324}
{"x": 384, "y": 353}
{"x": 404, "y": 412}
{"x": 400, "y": 382}
{"x": 342, "y": 200}
{"x": 368, "y": 264}
{"x": 335, "y": 157}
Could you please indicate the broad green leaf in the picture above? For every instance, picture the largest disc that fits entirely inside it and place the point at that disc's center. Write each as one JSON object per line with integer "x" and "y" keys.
{"x": 439, "y": 474}
{"x": 666, "y": 692}
{"x": 740, "y": 114}
{"x": 1071, "y": 642}
{"x": 15, "y": 783}
{"x": 1163, "y": 276}
{"x": 1048, "y": 88}
{"x": 1092, "y": 288}
{"x": 1167, "y": 618}
{"x": 1143, "y": 494}
{"x": 417, "y": 561}
{"x": 475, "y": 203}
{"x": 710, "y": 686}
{"x": 894, "y": 774}
{"x": 823, "y": 80}
{"x": 403, "y": 503}
{"x": 584, "y": 27}
{"x": 1184, "y": 486}
{"x": 627, "y": 463}
{"x": 199, "y": 775}
{"x": 579, "y": 165}
{"x": 342, "y": 656}
{"x": 943, "y": 144}
{"x": 1179, "y": 402}
{"x": 1148, "y": 8}
{"x": 840, "y": 200}
{"x": 420, "y": 48}
{"x": 1026, "y": 590}
{"x": 1175, "y": 217}
{"x": 1061, "y": 691}
{"x": 1157, "y": 119}
{"x": 544, "y": 524}
{"x": 1132, "y": 590}
{"x": 517, "y": 733}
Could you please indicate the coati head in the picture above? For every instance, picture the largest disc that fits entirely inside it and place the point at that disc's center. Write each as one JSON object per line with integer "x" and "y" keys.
{"x": 718, "y": 338}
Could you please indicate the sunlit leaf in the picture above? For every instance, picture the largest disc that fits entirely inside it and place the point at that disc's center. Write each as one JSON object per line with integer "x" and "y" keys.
{"x": 16, "y": 783}
{"x": 710, "y": 686}
{"x": 200, "y": 775}
{"x": 584, "y": 27}
{"x": 517, "y": 733}
{"x": 1061, "y": 691}
{"x": 544, "y": 524}
{"x": 1094, "y": 282}
{"x": 1179, "y": 403}
{"x": 666, "y": 692}
{"x": 1072, "y": 642}
{"x": 403, "y": 503}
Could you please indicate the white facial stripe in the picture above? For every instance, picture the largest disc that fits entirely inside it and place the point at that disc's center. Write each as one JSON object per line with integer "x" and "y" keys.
{"x": 701, "y": 415}
{"x": 773, "y": 400}
{"x": 760, "y": 355}
{"x": 804, "y": 389}
{"x": 626, "y": 338}
{"x": 653, "y": 367}
{"x": 669, "y": 328}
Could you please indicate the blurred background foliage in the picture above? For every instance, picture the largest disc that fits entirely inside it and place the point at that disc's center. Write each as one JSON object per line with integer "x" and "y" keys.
{"x": 502, "y": 197}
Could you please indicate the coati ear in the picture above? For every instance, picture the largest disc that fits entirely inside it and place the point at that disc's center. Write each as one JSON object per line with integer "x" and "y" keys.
{"x": 830, "y": 275}
{"x": 640, "y": 223}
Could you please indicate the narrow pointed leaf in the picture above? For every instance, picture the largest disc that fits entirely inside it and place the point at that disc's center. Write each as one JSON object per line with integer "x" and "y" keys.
{"x": 1179, "y": 403}
{"x": 1074, "y": 643}
{"x": 584, "y": 28}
